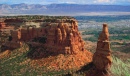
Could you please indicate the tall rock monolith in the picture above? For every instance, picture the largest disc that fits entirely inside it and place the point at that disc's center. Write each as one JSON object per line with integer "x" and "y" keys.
{"x": 102, "y": 57}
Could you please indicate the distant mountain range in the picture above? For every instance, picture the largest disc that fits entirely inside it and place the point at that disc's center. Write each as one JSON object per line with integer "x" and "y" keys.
{"x": 59, "y": 9}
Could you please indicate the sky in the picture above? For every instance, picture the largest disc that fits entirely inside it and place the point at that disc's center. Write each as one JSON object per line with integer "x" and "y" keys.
{"x": 45, "y": 2}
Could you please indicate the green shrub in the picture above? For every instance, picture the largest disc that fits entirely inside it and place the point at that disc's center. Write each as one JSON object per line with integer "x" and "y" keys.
{"x": 119, "y": 68}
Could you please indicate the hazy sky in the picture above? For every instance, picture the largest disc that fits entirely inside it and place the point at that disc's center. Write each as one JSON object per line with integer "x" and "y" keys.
{"x": 113, "y": 2}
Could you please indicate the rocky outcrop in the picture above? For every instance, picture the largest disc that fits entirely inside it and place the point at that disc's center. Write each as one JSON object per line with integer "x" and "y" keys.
{"x": 2, "y": 25}
{"x": 61, "y": 40}
{"x": 64, "y": 38}
{"x": 102, "y": 57}
{"x": 61, "y": 37}
{"x": 5, "y": 29}
{"x": 55, "y": 39}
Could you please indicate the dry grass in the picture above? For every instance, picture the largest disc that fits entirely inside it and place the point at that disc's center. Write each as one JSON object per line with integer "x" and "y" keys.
{"x": 4, "y": 54}
{"x": 18, "y": 64}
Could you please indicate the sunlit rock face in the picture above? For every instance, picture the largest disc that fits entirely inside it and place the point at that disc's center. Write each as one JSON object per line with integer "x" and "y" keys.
{"x": 61, "y": 36}
{"x": 102, "y": 57}
{"x": 2, "y": 25}
{"x": 64, "y": 38}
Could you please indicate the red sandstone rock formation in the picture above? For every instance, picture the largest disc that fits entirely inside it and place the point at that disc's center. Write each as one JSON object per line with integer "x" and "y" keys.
{"x": 16, "y": 35}
{"x": 102, "y": 57}
{"x": 62, "y": 37}
{"x": 2, "y": 25}
{"x": 4, "y": 28}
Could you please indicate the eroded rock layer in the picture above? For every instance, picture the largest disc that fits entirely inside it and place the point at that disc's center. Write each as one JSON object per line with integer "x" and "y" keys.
{"x": 58, "y": 45}
{"x": 102, "y": 57}
{"x": 64, "y": 38}
{"x": 59, "y": 37}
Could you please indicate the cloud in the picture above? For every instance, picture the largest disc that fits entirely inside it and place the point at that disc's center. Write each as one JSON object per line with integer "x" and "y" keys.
{"x": 113, "y": 2}
{"x": 103, "y": 1}
{"x": 122, "y": 2}
{"x": 75, "y": 1}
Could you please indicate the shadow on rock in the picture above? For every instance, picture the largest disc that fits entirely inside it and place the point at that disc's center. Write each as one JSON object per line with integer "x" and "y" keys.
{"x": 4, "y": 48}
{"x": 39, "y": 52}
{"x": 36, "y": 49}
{"x": 85, "y": 67}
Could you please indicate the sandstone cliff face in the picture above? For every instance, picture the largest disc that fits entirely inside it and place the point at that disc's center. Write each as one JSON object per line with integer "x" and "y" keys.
{"x": 102, "y": 57}
{"x": 2, "y": 25}
{"x": 61, "y": 36}
{"x": 4, "y": 28}
{"x": 64, "y": 38}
